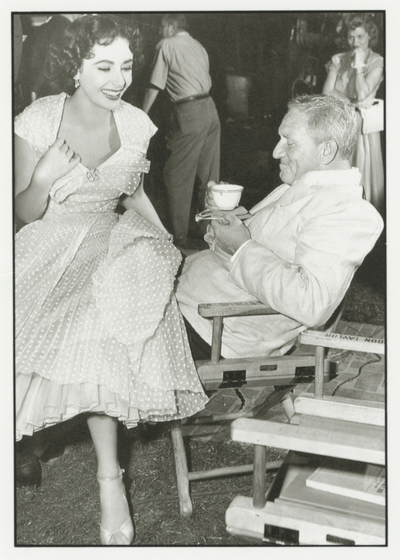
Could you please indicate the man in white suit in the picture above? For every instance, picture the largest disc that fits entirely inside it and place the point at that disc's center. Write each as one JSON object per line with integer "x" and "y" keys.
{"x": 300, "y": 248}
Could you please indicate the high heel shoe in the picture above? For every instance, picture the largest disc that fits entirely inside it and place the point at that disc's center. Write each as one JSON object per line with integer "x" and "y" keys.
{"x": 126, "y": 529}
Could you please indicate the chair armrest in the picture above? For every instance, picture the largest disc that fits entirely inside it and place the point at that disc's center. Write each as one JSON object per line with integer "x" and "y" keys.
{"x": 343, "y": 341}
{"x": 235, "y": 309}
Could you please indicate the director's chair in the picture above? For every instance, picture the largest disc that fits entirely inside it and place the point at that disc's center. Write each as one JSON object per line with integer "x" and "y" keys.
{"x": 283, "y": 373}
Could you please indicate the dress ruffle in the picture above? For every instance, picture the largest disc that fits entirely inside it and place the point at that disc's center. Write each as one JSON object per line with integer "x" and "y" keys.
{"x": 42, "y": 403}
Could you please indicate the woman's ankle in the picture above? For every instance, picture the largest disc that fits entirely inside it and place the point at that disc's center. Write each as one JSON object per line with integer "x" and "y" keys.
{"x": 108, "y": 474}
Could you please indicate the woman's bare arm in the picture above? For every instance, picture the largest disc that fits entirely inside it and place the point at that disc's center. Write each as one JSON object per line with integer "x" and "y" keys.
{"x": 140, "y": 202}
{"x": 365, "y": 84}
{"x": 32, "y": 182}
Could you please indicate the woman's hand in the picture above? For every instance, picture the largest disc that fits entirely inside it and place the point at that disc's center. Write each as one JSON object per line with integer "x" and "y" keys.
{"x": 33, "y": 182}
{"x": 359, "y": 57}
{"x": 56, "y": 162}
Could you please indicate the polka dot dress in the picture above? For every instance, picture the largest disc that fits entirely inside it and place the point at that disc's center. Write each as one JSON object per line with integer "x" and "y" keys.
{"x": 98, "y": 328}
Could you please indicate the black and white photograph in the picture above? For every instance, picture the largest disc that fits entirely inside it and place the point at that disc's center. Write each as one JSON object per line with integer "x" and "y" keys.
{"x": 197, "y": 279}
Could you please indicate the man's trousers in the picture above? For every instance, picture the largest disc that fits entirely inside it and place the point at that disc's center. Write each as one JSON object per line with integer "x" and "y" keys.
{"x": 194, "y": 145}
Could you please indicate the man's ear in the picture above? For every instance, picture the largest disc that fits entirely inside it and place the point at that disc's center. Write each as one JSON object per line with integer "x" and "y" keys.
{"x": 329, "y": 151}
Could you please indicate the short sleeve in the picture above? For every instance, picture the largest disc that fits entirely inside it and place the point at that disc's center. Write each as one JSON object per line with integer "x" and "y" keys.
{"x": 135, "y": 127}
{"x": 159, "y": 73}
{"x": 27, "y": 124}
{"x": 38, "y": 124}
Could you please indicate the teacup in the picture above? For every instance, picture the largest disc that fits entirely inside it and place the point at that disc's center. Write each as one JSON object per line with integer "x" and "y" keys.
{"x": 226, "y": 196}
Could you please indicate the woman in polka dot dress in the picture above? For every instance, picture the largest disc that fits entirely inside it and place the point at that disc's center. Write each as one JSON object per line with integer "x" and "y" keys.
{"x": 98, "y": 330}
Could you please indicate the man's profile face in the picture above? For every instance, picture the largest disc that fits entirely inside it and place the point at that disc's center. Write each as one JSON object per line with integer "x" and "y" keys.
{"x": 296, "y": 149}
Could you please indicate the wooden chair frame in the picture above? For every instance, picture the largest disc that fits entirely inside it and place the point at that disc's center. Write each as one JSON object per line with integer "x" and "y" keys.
{"x": 283, "y": 372}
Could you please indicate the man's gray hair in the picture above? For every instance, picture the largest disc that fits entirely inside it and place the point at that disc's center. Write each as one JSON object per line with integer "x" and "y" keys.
{"x": 178, "y": 20}
{"x": 329, "y": 118}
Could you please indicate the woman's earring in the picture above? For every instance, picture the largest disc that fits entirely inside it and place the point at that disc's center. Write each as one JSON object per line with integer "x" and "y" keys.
{"x": 76, "y": 80}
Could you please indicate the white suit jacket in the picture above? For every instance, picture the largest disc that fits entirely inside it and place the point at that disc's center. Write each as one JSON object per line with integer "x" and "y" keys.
{"x": 308, "y": 239}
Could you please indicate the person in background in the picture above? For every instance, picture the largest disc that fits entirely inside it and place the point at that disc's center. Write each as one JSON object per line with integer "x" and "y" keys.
{"x": 36, "y": 52}
{"x": 181, "y": 67}
{"x": 300, "y": 248}
{"x": 97, "y": 327}
{"x": 17, "y": 44}
{"x": 355, "y": 76}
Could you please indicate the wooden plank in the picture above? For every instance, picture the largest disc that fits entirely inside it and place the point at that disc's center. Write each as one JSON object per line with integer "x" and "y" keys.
{"x": 366, "y": 412}
{"x": 361, "y": 395}
{"x": 343, "y": 341}
{"x": 314, "y": 527}
{"x": 321, "y": 436}
{"x": 255, "y": 371}
{"x": 298, "y": 492}
{"x": 238, "y": 308}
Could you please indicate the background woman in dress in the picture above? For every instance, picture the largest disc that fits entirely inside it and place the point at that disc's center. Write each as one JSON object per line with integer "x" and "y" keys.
{"x": 98, "y": 330}
{"x": 356, "y": 75}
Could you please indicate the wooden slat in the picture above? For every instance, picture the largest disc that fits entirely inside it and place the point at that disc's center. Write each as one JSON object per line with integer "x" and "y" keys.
{"x": 319, "y": 371}
{"x": 260, "y": 461}
{"x": 366, "y": 412}
{"x": 216, "y": 339}
{"x": 334, "y": 438}
{"x": 343, "y": 341}
{"x": 238, "y": 308}
{"x": 230, "y": 471}
{"x": 257, "y": 371}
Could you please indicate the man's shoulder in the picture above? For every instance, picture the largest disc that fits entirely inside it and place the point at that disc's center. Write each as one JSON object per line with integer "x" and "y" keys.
{"x": 175, "y": 41}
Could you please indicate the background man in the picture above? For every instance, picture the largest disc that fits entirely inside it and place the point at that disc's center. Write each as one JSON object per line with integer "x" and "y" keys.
{"x": 181, "y": 67}
{"x": 300, "y": 249}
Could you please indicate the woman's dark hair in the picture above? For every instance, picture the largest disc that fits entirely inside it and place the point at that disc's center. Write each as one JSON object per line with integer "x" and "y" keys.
{"x": 65, "y": 57}
{"x": 366, "y": 21}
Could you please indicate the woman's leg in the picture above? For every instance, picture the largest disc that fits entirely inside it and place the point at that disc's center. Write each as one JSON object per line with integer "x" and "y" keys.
{"x": 113, "y": 504}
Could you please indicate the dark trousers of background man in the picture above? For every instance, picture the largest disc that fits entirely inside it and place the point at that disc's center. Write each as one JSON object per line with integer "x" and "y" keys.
{"x": 194, "y": 145}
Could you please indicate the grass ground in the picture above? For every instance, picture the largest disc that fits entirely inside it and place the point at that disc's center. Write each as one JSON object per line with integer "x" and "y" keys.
{"x": 64, "y": 510}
